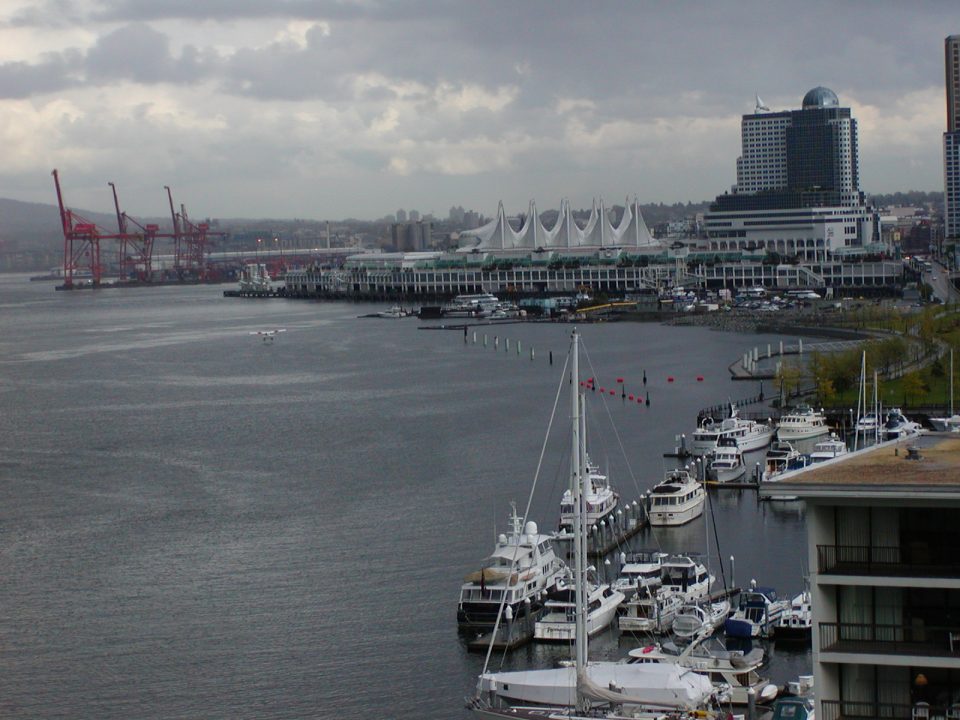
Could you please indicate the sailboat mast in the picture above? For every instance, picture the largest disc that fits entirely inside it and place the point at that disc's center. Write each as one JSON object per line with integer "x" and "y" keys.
{"x": 951, "y": 382}
{"x": 576, "y": 467}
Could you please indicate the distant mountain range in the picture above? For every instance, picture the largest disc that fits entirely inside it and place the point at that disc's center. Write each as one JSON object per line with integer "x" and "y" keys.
{"x": 27, "y": 226}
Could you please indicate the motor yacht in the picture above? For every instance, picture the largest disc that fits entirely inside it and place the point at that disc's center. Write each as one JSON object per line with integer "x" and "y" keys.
{"x": 897, "y": 426}
{"x": 601, "y": 501}
{"x": 780, "y": 458}
{"x": 804, "y": 422}
{"x": 557, "y": 623}
{"x": 736, "y": 669}
{"x": 688, "y": 576}
{"x": 522, "y": 569}
{"x": 477, "y": 305}
{"x": 796, "y": 622}
{"x": 748, "y": 434}
{"x": 677, "y": 500}
{"x": 650, "y": 611}
{"x": 828, "y": 449}
{"x": 640, "y": 572}
{"x": 393, "y": 312}
{"x": 727, "y": 464}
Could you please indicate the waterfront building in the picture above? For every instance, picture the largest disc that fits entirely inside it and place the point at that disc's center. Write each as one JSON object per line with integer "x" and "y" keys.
{"x": 798, "y": 186}
{"x": 883, "y": 528}
{"x": 951, "y": 141}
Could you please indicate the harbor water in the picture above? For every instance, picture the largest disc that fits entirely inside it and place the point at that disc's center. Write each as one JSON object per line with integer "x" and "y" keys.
{"x": 196, "y": 522}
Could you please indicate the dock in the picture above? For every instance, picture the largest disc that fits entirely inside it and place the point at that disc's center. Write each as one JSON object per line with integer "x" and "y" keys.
{"x": 613, "y": 532}
{"x": 510, "y": 635}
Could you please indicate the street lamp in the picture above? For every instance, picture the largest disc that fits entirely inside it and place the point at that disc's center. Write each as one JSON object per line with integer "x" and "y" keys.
{"x": 279, "y": 243}
{"x": 259, "y": 240}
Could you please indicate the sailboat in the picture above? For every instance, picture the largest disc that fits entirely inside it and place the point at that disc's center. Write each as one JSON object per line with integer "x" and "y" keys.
{"x": 952, "y": 422}
{"x": 584, "y": 689}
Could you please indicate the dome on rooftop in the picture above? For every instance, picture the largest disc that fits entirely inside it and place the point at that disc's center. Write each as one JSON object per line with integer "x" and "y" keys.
{"x": 820, "y": 97}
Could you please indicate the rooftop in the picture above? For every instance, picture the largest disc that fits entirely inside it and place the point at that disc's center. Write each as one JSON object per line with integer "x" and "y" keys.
{"x": 887, "y": 469}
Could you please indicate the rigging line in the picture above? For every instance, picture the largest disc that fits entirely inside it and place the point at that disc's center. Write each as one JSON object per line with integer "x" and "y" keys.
{"x": 526, "y": 512}
{"x": 616, "y": 433}
{"x": 716, "y": 540}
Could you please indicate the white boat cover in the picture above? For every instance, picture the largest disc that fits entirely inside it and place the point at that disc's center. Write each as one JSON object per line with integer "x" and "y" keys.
{"x": 652, "y": 684}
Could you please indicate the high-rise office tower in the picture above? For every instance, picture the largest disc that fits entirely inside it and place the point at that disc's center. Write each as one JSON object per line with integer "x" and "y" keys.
{"x": 951, "y": 141}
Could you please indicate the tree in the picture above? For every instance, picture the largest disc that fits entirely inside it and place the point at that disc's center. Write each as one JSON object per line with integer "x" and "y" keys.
{"x": 913, "y": 387}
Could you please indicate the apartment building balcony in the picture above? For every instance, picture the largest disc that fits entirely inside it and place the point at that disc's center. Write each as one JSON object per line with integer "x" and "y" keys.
{"x": 915, "y": 639}
{"x": 845, "y": 709}
{"x": 916, "y": 559}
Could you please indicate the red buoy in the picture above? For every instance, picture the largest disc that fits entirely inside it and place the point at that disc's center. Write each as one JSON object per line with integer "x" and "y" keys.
{"x": 699, "y": 378}
{"x": 603, "y": 389}
{"x": 670, "y": 378}
{"x": 619, "y": 380}
{"x": 630, "y": 396}
{"x": 611, "y": 392}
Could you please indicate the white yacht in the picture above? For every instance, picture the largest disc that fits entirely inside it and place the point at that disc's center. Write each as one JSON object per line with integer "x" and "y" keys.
{"x": 727, "y": 464}
{"x": 687, "y": 576}
{"x": 477, "y": 305}
{"x": 601, "y": 499}
{"x": 640, "y": 572}
{"x": 677, "y": 500}
{"x": 650, "y": 611}
{"x": 735, "y": 669}
{"x": 699, "y": 619}
{"x": 559, "y": 611}
{"x": 394, "y": 312}
{"x": 748, "y": 434}
{"x": 523, "y": 567}
{"x": 951, "y": 423}
{"x": 897, "y": 426}
{"x": 804, "y": 422}
{"x": 828, "y": 449}
{"x": 868, "y": 424}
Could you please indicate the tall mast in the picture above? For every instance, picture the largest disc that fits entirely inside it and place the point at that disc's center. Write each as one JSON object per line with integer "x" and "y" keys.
{"x": 951, "y": 382}
{"x": 576, "y": 467}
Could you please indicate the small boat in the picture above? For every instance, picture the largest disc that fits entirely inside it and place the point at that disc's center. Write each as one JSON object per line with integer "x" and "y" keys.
{"x": 394, "y": 312}
{"x": 727, "y": 464}
{"x": 640, "y": 572}
{"x": 700, "y": 619}
{"x": 650, "y": 611}
{"x": 951, "y": 423}
{"x": 868, "y": 424}
{"x": 557, "y": 623}
{"x": 523, "y": 567}
{"x": 804, "y": 422}
{"x": 828, "y": 450}
{"x": 897, "y": 426}
{"x": 736, "y": 669}
{"x": 796, "y": 622}
{"x": 677, "y": 500}
{"x": 757, "y": 614}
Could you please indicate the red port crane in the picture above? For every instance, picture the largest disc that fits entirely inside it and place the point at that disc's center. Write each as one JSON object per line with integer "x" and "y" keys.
{"x": 81, "y": 243}
{"x": 136, "y": 249}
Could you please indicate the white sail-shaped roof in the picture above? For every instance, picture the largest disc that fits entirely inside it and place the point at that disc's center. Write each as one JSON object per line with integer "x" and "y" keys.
{"x": 598, "y": 232}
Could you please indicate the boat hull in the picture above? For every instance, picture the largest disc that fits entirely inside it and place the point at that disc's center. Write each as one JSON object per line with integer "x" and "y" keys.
{"x": 667, "y": 518}
{"x": 789, "y": 434}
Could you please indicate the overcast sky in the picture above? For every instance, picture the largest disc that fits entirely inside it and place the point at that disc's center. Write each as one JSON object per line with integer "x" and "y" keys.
{"x": 329, "y": 110}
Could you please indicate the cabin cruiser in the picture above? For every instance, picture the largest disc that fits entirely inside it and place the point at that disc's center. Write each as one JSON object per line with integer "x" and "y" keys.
{"x": 699, "y": 619}
{"x": 677, "y": 500}
{"x": 727, "y": 464}
{"x": 738, "y": 670}
{"x": 781, "y": 457}
{"x": 758, "y": 613}
{"x": 687, "y": 576}
{"x": 557, "y": 623}
{"x": 523, "y": 567}
{"x": 640, "y": 572}
{"x": 650, "y": 611}
{"x": 897, "y": 426}
{"x": 748, "y": 434}
{"x": 601, "y": 500}
{"x": 803, "y": 422}
{"x": 828, "y": 450}
{"x": 796, "y": 622}
{"x": 868, "y": 424}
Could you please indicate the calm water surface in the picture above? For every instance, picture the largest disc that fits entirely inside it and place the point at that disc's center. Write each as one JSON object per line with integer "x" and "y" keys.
{"x": 198, "y": 524}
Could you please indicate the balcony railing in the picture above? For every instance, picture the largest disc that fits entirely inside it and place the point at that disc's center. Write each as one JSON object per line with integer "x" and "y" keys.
{"x": 912, "y": 560}
{"x": 841, "y": 709}
{"x": 914, "y": 639}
